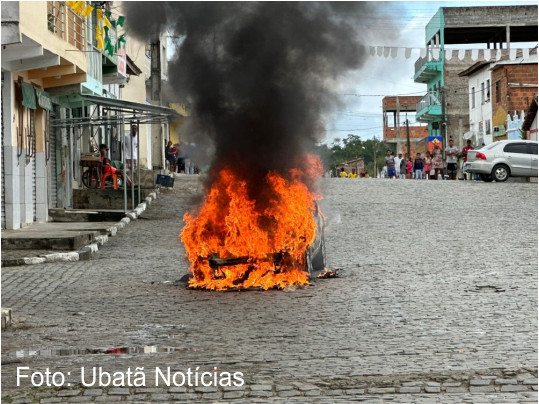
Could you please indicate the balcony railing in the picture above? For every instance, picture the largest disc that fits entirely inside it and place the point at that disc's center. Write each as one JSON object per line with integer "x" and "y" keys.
{"x": 64, "y": 23}
{"x": 428, "y": 100}
{"x": 419, "y": 63}
{"x": 95, "y": 67}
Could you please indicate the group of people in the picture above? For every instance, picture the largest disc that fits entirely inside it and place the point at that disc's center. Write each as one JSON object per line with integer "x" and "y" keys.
{"x": 344, "y": 174}
{"x": 430, "y": 166}
{"x": 179, "y": 159}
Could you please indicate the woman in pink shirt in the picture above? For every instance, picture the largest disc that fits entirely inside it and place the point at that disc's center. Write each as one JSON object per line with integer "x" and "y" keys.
{"x": 409, "y": 168}
{"x": 427, "y": 161}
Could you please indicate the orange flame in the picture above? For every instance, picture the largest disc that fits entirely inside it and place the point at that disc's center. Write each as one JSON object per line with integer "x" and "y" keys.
{"x": 230, "y": 224}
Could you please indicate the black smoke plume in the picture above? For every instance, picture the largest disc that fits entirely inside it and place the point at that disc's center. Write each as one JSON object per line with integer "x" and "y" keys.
{"x": 260, "y": 76}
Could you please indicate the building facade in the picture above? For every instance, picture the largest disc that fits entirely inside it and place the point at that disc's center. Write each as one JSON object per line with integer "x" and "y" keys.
{"x": 397, "y": 110}
{"x": 56, "y": 56}
{"x": 43, "y": 49}
{"x": 445, "y": 106}
{"x": 501, "y": 92}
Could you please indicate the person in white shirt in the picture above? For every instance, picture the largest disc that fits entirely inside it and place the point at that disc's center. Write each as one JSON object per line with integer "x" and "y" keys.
{"x": 131, "y": 145}
{"x": 398, "y": 166}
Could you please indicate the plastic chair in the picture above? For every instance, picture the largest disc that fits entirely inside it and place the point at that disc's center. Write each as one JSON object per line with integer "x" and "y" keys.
{"x": 114, "y": 180}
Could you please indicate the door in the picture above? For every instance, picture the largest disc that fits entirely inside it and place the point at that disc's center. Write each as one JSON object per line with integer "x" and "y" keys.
{"x": 533, "y": 151}
{"x": 53, "y": 178}
{"x": 33, "y": 162}
{"x": 3, "y": 171}
{"x": 518, "y": 159}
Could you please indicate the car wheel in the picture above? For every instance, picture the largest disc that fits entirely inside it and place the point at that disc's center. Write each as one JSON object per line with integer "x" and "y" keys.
{"x": 485, "y": 177}
{"x": 500, "y": 173}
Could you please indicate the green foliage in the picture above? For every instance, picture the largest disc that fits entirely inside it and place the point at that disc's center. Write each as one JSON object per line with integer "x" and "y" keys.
{"x": 353, "y": 147}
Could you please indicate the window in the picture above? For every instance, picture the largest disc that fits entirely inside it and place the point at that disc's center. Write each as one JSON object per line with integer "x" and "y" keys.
{"x": 519, "y": 148}
{"x": 487, "y": 127}
{"x": 482, "y": 93}
{"x": 473, "y": 97}
{"x": 534, "y": 148}
{"x": 491, "y": 146}
{"x": 488, "y": 90}
{"x": 498, "y": 91}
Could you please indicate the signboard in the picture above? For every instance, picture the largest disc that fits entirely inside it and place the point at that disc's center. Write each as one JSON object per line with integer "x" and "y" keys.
{"x": 435, "y": 140}
{"x": 122, "y": 60}
{"x": 44, "y": 99}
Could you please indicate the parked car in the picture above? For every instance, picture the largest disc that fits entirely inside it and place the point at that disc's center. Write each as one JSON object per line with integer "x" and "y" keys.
{"x": 500, "y": 160}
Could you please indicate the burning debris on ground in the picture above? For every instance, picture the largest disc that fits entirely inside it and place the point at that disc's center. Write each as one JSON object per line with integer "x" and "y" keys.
{"x": 261, "y": 78}
{"x": 328, "y": 273}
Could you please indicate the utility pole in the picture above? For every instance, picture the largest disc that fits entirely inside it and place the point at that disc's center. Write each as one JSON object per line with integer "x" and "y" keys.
{"x": 443, "y": 129}
{"x": 408, "y": 135}
{"x": 374, "y": 152}
{"x": 398, "y": 124}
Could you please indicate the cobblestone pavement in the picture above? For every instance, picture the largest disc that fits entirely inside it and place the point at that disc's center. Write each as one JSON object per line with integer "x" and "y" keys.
{"x": 436, "y": 303}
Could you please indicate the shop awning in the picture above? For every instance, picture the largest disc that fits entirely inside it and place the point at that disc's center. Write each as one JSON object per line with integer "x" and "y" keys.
{"x": 114, "y": 111}
{"x": 44, "y": 99}
{"x": 28, "y": 96}
{"x": 132, "y": 68}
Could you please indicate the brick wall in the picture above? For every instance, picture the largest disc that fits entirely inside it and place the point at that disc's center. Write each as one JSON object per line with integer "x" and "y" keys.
{"x": 513, "y": 98}
{"x": 406, "y": 102}
{"x": 416, "y": 132}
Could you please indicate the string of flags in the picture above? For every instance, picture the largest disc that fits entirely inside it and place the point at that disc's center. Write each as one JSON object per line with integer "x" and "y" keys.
{"x": 104, "y": 24}
{"x": 475, "y": 54}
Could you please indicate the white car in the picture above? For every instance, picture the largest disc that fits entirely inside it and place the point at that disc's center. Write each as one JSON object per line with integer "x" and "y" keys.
{"x": 500, "y": 160}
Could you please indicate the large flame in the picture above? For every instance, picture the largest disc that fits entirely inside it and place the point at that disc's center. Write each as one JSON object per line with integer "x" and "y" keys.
{"x": 230, "y": 225}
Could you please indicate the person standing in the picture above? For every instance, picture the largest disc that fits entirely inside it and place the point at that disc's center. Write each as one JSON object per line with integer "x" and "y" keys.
{"x": 409, "y": 168}
{"x": 451, "y": 153}
{"x": 465, "y": 151}
{"x": 403, "y": 168}
{"x": 418, "y": 167}
{"x": 353, "y": 174}
{"x": 427, "y": 161}
{"x": 171, "y": 156}
{"x": 131, "y": 149}
{"x": 343, "y": 174}
{"x": 437, "y": 162}
{"x": 390, "y": 164}
{"x": 398, "y": 160}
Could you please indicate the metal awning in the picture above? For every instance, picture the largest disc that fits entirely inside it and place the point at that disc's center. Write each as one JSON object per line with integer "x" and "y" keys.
{"x": 113, "y": 111}
{"x": 114, "y": 115}
{"x": 132, "y": 68}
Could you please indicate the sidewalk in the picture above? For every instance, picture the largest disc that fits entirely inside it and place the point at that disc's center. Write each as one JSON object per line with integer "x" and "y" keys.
{"x": 62, "y": 241}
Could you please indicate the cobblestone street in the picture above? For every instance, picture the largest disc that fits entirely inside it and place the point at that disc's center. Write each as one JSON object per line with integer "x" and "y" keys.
{"x": 436, "y": 303}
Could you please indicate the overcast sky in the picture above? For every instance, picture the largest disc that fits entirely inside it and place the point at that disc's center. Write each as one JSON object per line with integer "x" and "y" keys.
{"x": 381, "y": 76}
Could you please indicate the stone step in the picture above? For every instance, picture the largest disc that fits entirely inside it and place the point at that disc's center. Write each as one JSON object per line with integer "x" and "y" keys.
{"x": 46, "y": 240}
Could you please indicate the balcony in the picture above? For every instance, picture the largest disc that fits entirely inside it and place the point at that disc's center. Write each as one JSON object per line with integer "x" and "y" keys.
{"x": 65, "y": 24}
{"x": 428, "y": 67}
{"x": 94, "y": 81}
{"x": 429, "y": 108}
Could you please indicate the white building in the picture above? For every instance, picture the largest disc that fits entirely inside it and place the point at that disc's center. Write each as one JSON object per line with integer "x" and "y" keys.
{"x": 480, "y": 92}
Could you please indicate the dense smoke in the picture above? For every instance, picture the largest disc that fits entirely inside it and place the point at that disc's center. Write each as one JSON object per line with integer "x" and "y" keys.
{"x": 260, "y": 76}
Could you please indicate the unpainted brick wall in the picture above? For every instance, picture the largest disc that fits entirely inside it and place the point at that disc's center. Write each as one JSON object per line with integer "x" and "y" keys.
{"x": 514, "y": 98}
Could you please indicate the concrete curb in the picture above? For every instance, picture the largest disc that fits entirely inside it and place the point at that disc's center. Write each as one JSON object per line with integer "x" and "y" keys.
{"x": 85, "y": 252}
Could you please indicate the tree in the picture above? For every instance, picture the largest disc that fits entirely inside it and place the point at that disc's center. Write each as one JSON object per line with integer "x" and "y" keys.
{"x": 353, "y": 147}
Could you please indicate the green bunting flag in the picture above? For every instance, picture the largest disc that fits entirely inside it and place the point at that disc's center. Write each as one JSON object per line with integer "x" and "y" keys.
{"x": 120, "y": 21}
